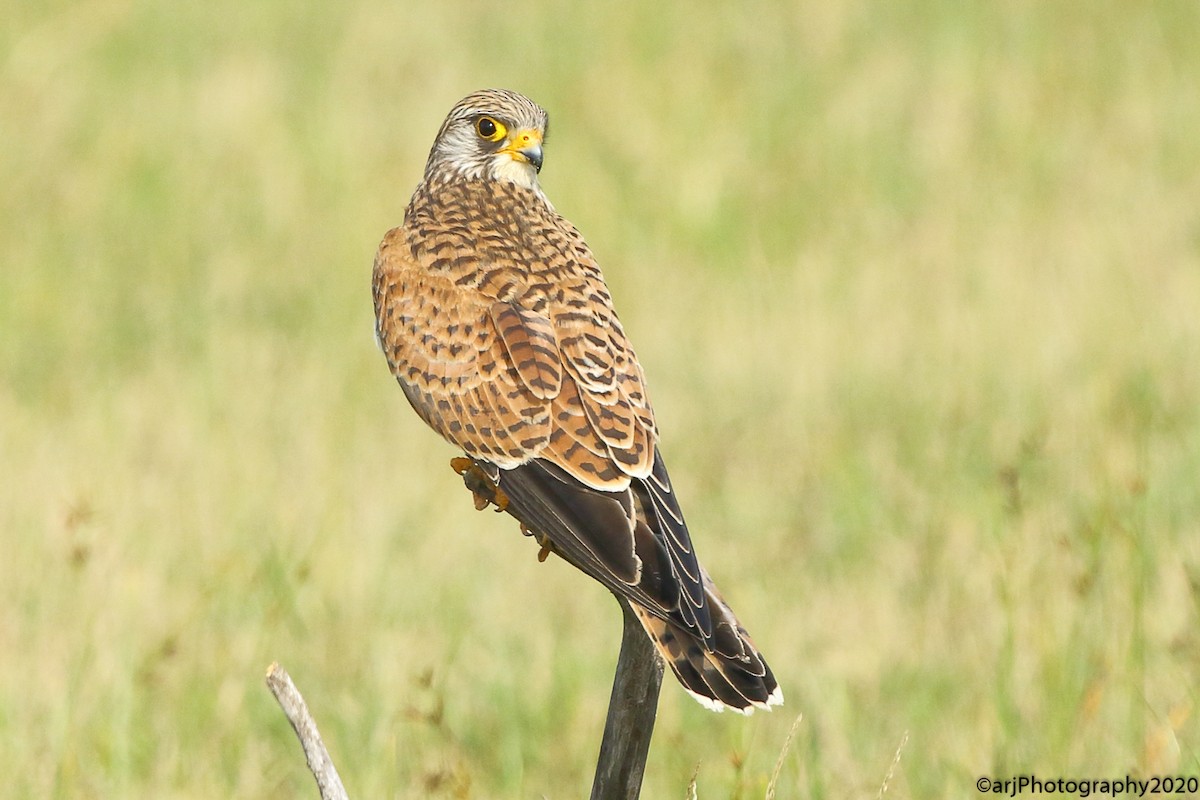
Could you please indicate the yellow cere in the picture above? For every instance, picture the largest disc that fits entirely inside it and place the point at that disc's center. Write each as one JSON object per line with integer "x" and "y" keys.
{"x": 526, "y": 138}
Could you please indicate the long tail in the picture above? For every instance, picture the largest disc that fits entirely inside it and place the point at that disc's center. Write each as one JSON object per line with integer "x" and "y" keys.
{"x": 729, "y": 673}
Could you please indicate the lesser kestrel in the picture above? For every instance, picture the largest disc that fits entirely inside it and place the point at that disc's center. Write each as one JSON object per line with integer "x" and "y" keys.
{"x": 496, "y": 321}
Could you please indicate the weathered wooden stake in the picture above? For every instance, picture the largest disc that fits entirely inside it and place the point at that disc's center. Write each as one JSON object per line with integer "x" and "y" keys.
{"x": 631, "y": 713}
{"x": 623, "y": 749}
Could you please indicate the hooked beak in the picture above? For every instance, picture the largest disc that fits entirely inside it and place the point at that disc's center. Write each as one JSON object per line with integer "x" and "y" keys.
{"x": 526, "y": 147}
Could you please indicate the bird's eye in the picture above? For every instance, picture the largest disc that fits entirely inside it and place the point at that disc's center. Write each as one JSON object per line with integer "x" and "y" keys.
{"x": 490, "y": 129}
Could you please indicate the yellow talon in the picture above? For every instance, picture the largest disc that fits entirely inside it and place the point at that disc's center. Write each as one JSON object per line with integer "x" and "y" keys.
{"x": 546, "y": 547}
{"x": 482, "y": 487}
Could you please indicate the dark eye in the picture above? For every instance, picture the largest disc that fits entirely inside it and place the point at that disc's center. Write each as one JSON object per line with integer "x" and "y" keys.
{"x": 490, "y": 129}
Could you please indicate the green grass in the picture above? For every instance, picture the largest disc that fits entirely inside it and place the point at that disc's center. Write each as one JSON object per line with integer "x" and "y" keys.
{"x": 917, "y": 288}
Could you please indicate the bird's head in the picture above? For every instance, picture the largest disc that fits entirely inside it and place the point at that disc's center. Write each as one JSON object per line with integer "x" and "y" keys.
{"x": 491, "y": 134}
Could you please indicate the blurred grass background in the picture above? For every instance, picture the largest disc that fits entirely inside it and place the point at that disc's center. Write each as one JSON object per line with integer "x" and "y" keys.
{"x": 917, "y": 287}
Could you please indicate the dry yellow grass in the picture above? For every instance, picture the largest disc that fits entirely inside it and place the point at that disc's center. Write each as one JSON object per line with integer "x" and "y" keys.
{"x": 917, "y": 289}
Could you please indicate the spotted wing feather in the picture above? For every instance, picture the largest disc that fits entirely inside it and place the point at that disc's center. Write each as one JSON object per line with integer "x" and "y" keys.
{"x": 457, "y": 372}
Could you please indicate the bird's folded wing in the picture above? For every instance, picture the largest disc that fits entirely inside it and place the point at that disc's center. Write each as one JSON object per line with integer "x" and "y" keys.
{"x": 445, "y": 347}
{"x": 624, "y": 539}
{"x": 558, "y": 404}
{"x": 508, "y": 383}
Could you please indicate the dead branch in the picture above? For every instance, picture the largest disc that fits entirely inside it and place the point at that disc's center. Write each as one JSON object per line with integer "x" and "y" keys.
{"x": 294, "y": 707}
{"x": 632, "y": 709}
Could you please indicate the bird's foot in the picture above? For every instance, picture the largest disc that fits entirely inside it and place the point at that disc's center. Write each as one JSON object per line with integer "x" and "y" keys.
{"x": 543, "y": 542}
{"x": 482, "y": 487}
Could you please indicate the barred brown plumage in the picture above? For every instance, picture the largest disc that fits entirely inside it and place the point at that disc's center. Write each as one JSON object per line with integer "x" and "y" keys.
{"x": 496, "y": 321}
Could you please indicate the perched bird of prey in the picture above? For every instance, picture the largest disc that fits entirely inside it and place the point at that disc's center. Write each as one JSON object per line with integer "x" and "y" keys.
{"x": 495, "y": 320}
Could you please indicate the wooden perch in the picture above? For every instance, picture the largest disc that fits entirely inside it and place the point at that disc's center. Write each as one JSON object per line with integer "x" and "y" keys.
{"x": 631, "y": 714}
{"x": 319, "y": 762}
{"x": 623, "y": 749}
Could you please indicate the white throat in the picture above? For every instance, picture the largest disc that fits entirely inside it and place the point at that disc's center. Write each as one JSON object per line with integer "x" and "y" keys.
{"x": 507, "y": 168}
